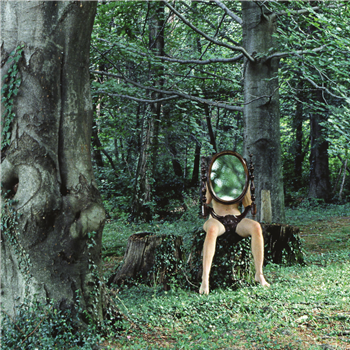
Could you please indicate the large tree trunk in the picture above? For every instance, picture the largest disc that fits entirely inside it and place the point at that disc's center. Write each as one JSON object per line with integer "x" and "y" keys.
{"x": 54, "y": 250}
{"x": 261, "y": 109}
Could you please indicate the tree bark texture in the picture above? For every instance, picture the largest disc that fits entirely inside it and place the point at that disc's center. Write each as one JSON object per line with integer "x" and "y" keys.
{"x": 261, "y": 108}
{"x": 54, "y": 250}
{"x": 140, "y": 259}
{"x": 298, "y": 126}
{"x": 320, "y": 186}
{"x": 282, "y": 244}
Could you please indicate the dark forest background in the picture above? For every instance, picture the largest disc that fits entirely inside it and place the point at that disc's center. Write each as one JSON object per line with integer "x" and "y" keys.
{"x": 166, "y": 90}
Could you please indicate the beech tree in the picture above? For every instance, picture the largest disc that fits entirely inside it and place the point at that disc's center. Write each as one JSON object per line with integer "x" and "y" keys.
{"x": 205, "y": 76}
{"x": 230, "y": 73}
{"x": 52, "y": 214}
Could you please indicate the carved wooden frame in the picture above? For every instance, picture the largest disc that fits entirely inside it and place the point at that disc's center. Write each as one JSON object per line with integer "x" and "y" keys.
{"x": 205, "y": 180}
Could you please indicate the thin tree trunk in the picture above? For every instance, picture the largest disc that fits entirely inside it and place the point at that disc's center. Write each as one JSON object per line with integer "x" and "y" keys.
{"x": 343, "y": 182}
{"x": 96, "y": 151}
{"x": 341, "y": 159}
{"x": 320, "y": 186}
{"x": 210, "y": 128}
{"x": 149, "y": 149}
{"x": 298, "y": 126}
{"x": 196, "y": 164}
{"x": 338, "y": 179}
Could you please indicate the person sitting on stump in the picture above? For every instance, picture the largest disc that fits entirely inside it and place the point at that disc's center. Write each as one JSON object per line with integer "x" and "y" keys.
{"x": 227, "y": 218}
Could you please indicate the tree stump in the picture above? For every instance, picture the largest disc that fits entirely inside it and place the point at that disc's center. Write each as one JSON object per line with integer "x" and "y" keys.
{"x": 156, "y": 259}
{"x": 282, "y": 244}
{"x": 149, "y": 258}
{"x": 233, "y": 263}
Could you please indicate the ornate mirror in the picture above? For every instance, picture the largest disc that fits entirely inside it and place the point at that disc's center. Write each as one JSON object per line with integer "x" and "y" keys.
{"x": 228, "y": 177}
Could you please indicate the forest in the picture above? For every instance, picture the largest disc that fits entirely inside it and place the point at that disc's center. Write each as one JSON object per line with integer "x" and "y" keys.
{"x": 108, "y": 108}
{"x": 168, "y": 87}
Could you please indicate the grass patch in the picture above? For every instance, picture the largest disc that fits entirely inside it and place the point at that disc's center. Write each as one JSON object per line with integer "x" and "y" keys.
{"x": 304, "y": 308}
{"x": 307, "y": 307}
{"x": 310, "y": 212}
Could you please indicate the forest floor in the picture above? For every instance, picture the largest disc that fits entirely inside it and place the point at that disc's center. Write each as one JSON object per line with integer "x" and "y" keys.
{"x": 306, "y": 307}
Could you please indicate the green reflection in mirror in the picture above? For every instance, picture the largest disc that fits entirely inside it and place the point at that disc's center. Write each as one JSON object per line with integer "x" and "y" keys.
{"x": 228, "y": 177}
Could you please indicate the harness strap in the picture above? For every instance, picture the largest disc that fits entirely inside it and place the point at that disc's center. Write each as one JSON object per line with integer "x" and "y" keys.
{"x": 230, "y": 222}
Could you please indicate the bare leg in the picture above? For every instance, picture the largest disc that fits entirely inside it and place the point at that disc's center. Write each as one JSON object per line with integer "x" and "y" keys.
{"x": 214, "y": 229}
{"x": 252, "y": 228}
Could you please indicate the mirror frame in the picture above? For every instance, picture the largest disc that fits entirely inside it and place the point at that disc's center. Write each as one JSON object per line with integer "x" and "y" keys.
{"x": 247, "y": 177}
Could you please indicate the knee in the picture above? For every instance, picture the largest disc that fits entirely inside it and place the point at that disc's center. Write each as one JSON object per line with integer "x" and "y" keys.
{"x": 256, "y": 229}
{"x": 212, "y": 233}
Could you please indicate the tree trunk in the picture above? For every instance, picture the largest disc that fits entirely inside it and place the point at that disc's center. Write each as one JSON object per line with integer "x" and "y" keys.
{"x": 142, "y": 190}
{"x": 54, "y": 250}
{"x": 210, "y": 128}
{"x": 343, "y": 182}
{"x": 96, "y": 151}
{"x": 298, "y": 126}
{"x": 261, "y": 109}
{"x": 150, "y": 131}
{"x": 320, "y": 186}
{"x": 195, "y": 173}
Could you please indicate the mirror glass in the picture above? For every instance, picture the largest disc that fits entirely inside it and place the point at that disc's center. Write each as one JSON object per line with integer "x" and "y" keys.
{"x": 228, "y": 177}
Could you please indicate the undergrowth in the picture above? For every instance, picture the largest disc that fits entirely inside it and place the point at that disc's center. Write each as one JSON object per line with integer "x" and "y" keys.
{"x": 36, "y": 326}
{"x": 306, "y": 307}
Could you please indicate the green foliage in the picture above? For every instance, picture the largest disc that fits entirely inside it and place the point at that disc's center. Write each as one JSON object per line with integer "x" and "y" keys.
{"x": 130, "y": 130}
{"x": 311, "y": 210}
{"x": 9, "y": 91}
{"x": 313, "y": 42}
{"x": 38, "y": 326}
{"x": 314, "y": 82}
{"x": 168, "y": 262}
{"x": 302, "y": 300}
{"x": 310, "y": 300}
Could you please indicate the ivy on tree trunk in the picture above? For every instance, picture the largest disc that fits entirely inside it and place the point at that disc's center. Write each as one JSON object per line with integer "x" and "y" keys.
{"x": 60, "y": 214}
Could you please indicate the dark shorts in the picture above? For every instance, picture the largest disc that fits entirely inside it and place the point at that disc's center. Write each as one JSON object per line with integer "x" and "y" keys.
{"x": 230, "y": 223}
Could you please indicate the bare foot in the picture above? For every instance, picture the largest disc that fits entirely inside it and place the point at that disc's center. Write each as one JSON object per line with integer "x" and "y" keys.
{"x": 204, "y": 289}
{"x": 261, "y": 279}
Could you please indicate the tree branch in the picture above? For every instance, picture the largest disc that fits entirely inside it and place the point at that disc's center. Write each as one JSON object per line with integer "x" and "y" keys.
{"x": 214, "y": 41}
{"x": 295, "y": 53}
{"x": 178, "y": 93}
{"x": 303, "y": 11}
{"x": 210, "y": 60}
{"x": 229, "y": 12}
{"x": 323, "y": 88}
{"x": 344, "y": 164}
{"x": 269, "y": 97}
{"x": 142, "y": 100}
{"x": 222, "y": 34}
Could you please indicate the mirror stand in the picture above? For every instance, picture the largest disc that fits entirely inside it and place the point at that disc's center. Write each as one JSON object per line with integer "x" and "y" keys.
{"x": 204, "y": 179}
{"x": 252, "y": 185}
